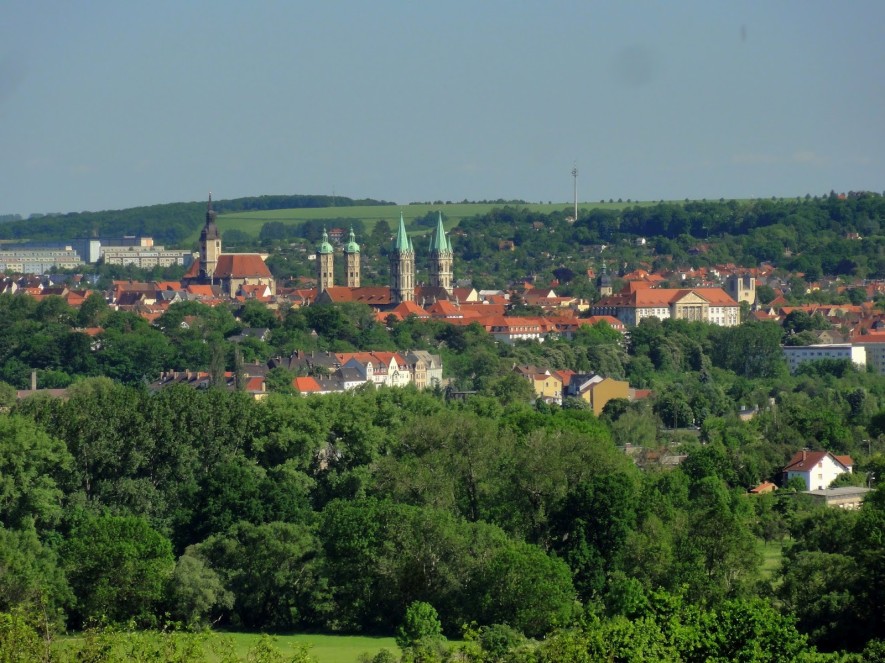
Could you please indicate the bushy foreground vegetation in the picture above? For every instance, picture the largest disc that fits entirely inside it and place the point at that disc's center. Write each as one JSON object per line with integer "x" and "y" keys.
{"x": 339, "y": 513}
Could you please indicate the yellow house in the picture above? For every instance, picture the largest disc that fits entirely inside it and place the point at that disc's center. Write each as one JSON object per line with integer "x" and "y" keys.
{"x": 596, "y": 390}
{"x": 547, "y": 387}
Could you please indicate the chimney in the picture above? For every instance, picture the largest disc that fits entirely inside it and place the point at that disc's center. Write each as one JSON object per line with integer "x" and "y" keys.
{"x": 34, "y": 380}
{"x": 804, "y": 454}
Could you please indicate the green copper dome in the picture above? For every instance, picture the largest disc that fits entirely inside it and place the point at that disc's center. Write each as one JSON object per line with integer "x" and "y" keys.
{"x": 352, "y": 246}
{"x": 325, "y": 248}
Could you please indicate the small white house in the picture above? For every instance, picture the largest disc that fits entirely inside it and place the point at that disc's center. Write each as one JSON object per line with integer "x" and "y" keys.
{"x": 817, "y": 469}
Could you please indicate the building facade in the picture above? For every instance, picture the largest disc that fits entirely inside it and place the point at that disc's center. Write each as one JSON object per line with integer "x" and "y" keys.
{"x": 817, "y": 469}
{"x": 710, "y": 305}
{"x": 796, "y": 355}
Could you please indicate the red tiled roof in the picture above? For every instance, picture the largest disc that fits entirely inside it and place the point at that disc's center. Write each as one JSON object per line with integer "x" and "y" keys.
{"x": 193, "y": 271}
{"x": 443, "y": 309}
{"x": 306, "y": 385}
{"x": 255, "y": 384}
{"x": 241, "y": 265}
{"x": 805, "y": 460}
{"x": 872, "y": 337}
{"x": 371, "y": 295}
{"x": 203, "y": 290}
{"x": 405, "y": 309}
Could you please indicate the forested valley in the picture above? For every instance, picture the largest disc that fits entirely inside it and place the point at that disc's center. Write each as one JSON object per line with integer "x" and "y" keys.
{"x": 522, "y": 531}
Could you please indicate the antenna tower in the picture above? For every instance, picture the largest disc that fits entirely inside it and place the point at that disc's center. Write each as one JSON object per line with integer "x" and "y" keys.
{"x": 575, "y": 177}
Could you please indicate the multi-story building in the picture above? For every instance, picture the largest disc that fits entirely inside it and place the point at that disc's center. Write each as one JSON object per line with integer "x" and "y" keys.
{"x": 711, "y": 305}
{"x": 796, "y": 355}
{"x": 874, "y": 345}
{"x": 39, "y": 261}
{"x": 145, "y": 257}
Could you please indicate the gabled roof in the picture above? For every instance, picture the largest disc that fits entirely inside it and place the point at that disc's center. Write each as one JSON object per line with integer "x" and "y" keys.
{"x": 306, "y": 385}
{"x": 805, "y": 460}
{"x": 444, "y": 309}
{"x": 241, "y": 265}
{"x": 371, "y": 295}
{"x": 405, "y": 309}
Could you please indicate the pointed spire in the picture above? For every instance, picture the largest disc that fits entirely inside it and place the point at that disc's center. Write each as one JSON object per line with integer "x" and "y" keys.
{"x": 438, "y": 241}
{"x": 209, "y": 207}
{"x": 402, "y": 243}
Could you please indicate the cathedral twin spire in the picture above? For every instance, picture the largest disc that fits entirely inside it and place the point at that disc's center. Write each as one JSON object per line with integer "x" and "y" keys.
{"x": 402, "y": 262}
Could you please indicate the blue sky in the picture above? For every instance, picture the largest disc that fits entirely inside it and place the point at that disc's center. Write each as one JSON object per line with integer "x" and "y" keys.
{"x": 107, "y": 105}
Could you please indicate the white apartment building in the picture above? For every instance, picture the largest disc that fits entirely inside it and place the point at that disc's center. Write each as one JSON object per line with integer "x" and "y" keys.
{"x": 874, "y": 344}
{"x": 797, "y": 355}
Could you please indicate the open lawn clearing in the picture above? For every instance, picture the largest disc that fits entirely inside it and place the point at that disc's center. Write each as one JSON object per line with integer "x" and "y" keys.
{"x": 323, "y": 648}
{"x": 772, "y": 553}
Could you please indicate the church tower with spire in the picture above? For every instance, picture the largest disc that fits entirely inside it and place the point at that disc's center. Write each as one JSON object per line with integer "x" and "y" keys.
{"x": 604, "y": 283}
{"x": 402, "y": 266}
{"x": 352, "y": 261}
{"x": 441, "y": 258}
{"x": 325, "y": 264}
{"x": 210, "y": 244}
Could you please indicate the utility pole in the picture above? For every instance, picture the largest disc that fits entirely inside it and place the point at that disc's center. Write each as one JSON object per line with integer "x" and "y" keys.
{"x": 575, "y": 178}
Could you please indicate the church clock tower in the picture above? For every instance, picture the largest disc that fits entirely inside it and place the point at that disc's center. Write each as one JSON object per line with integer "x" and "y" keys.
{"x": 210, "y": 244}
{"x": 325, "y": 264}
{"x": 352, "y": 261}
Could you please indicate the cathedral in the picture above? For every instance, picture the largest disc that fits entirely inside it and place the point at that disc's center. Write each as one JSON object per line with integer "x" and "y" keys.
{"x": 230, "y": 271}
{"x": 402, "y": 271}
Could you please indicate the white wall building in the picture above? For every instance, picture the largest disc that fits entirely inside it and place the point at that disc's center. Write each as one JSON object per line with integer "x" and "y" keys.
{"x": 874, "y": 345}
{"x": 799, "y": 354}
{"x": 817, "y": 469}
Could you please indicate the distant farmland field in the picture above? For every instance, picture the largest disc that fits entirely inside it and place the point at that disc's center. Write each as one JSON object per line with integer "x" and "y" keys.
{"x": 251, "y": 222}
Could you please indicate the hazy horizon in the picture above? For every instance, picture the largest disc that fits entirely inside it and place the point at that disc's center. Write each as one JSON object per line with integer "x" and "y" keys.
{"x": 116, "y": 105}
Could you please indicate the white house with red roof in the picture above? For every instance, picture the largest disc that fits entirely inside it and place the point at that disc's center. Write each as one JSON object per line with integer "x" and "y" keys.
{"x": 817, "y": 469}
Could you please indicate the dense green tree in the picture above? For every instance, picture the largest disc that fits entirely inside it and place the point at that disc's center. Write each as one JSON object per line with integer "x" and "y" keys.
{"x": 271, "y": 571}
{"x": 592, "y": 527}
{"x": 32, "y": 467}
{"x": 118, "y": 567}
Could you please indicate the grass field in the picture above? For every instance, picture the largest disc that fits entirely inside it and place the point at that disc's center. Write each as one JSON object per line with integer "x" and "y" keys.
{"x": 323, "y": 648}
{"x": 772, "y": 553}
{"x": 251, "y": 222}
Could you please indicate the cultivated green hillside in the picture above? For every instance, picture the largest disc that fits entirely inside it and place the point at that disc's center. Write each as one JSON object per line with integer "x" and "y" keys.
{"x": 251, "y": 222}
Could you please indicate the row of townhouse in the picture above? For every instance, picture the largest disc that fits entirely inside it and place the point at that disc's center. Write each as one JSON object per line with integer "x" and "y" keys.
{"x": 330, "y": 373}
{"x": 341, "y": 371}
